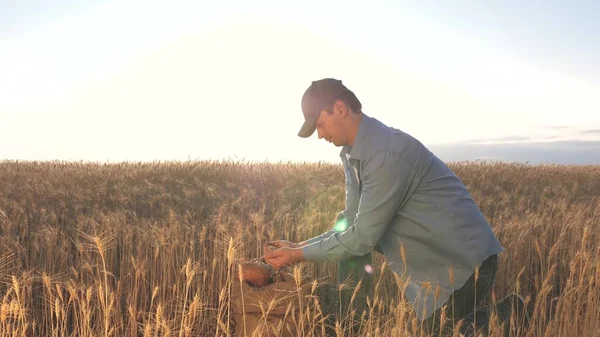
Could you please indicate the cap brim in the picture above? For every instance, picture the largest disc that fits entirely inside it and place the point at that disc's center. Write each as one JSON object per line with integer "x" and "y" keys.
{"x": 308, "y": 128}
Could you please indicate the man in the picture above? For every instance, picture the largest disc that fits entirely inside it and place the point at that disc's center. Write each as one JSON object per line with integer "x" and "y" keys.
{"x": 402, "y": 201}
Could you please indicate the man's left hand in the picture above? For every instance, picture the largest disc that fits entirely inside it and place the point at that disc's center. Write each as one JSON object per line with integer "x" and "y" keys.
{"x": 282, "y": 257}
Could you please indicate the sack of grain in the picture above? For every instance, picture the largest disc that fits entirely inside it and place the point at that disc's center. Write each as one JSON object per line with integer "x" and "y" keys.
{"x": 270, "y": 310}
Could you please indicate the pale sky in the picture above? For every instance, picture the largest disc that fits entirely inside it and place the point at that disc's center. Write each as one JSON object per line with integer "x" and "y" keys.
{"x": 139, "y": 81}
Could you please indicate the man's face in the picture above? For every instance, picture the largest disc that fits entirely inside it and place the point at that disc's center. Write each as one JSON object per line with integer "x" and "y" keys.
{"x": 331, "y": 127}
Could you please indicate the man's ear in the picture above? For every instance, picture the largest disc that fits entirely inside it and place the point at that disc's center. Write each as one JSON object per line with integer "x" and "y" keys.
{"x": 341, "y": 108}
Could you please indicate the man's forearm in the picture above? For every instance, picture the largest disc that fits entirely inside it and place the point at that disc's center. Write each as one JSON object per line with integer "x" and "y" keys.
{"x": 315, "y": 239}
{"x": 341, "y": 223}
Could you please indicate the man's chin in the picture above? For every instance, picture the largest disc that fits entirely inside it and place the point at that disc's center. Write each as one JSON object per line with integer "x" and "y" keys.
{"x": 335, "y": 143}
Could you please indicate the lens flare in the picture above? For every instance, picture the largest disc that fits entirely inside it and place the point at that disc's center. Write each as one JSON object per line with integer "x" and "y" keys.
{"x": 341, "y": 225}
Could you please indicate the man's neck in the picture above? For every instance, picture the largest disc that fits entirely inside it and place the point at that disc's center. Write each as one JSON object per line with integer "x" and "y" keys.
{"x": 354, "y": 126}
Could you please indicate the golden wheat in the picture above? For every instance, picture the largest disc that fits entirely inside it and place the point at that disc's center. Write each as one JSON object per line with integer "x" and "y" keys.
{"x": 150, "y": 249}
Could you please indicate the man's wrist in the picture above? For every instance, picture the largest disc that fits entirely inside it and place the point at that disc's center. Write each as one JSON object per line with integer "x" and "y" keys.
{"x": 299, "y": 256}
{"x": 312, "y": 252}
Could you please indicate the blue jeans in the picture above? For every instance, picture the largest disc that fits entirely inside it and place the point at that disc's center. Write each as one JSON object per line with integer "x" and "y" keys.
{"x": 464, "y": 303}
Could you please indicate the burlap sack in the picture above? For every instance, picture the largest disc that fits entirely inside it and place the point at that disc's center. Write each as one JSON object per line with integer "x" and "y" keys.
{"x": 273, "y": 310}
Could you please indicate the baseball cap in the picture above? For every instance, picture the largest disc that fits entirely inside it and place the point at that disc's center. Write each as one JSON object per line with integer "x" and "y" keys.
{"x": 318, "y": 95}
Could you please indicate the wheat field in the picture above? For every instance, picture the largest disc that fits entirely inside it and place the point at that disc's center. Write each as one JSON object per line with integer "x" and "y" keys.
{"x": 150, "y": 249}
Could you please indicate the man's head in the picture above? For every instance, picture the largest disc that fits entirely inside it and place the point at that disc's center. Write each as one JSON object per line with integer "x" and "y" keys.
{"x": 331, "y": 109}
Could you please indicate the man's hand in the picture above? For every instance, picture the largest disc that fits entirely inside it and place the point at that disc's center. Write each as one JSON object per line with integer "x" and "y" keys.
{"x": 283, "y": 257}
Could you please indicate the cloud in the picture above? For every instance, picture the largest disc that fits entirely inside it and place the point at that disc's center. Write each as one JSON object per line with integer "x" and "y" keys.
{"x": 566, "y": 152}
{"x": 588, "y": 131}
{"x": 557, "y": 127}
{"x": 498, "y": 139}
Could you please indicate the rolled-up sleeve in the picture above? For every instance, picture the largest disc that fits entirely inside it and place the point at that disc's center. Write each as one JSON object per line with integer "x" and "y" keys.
{"x": 387, "y": 182}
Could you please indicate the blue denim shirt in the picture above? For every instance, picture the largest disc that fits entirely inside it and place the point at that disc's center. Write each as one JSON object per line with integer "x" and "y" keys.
{"x": 402, "y": 198}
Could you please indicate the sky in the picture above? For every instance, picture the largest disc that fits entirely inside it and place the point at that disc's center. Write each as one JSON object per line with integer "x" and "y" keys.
{"x": 142, "y": 81}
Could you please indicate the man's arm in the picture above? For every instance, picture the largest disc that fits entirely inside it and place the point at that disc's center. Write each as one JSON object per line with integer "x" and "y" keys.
{"x": 352, "y": 197}
{"x": 388, "y": 182}
{"x": 316, "y": 238}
